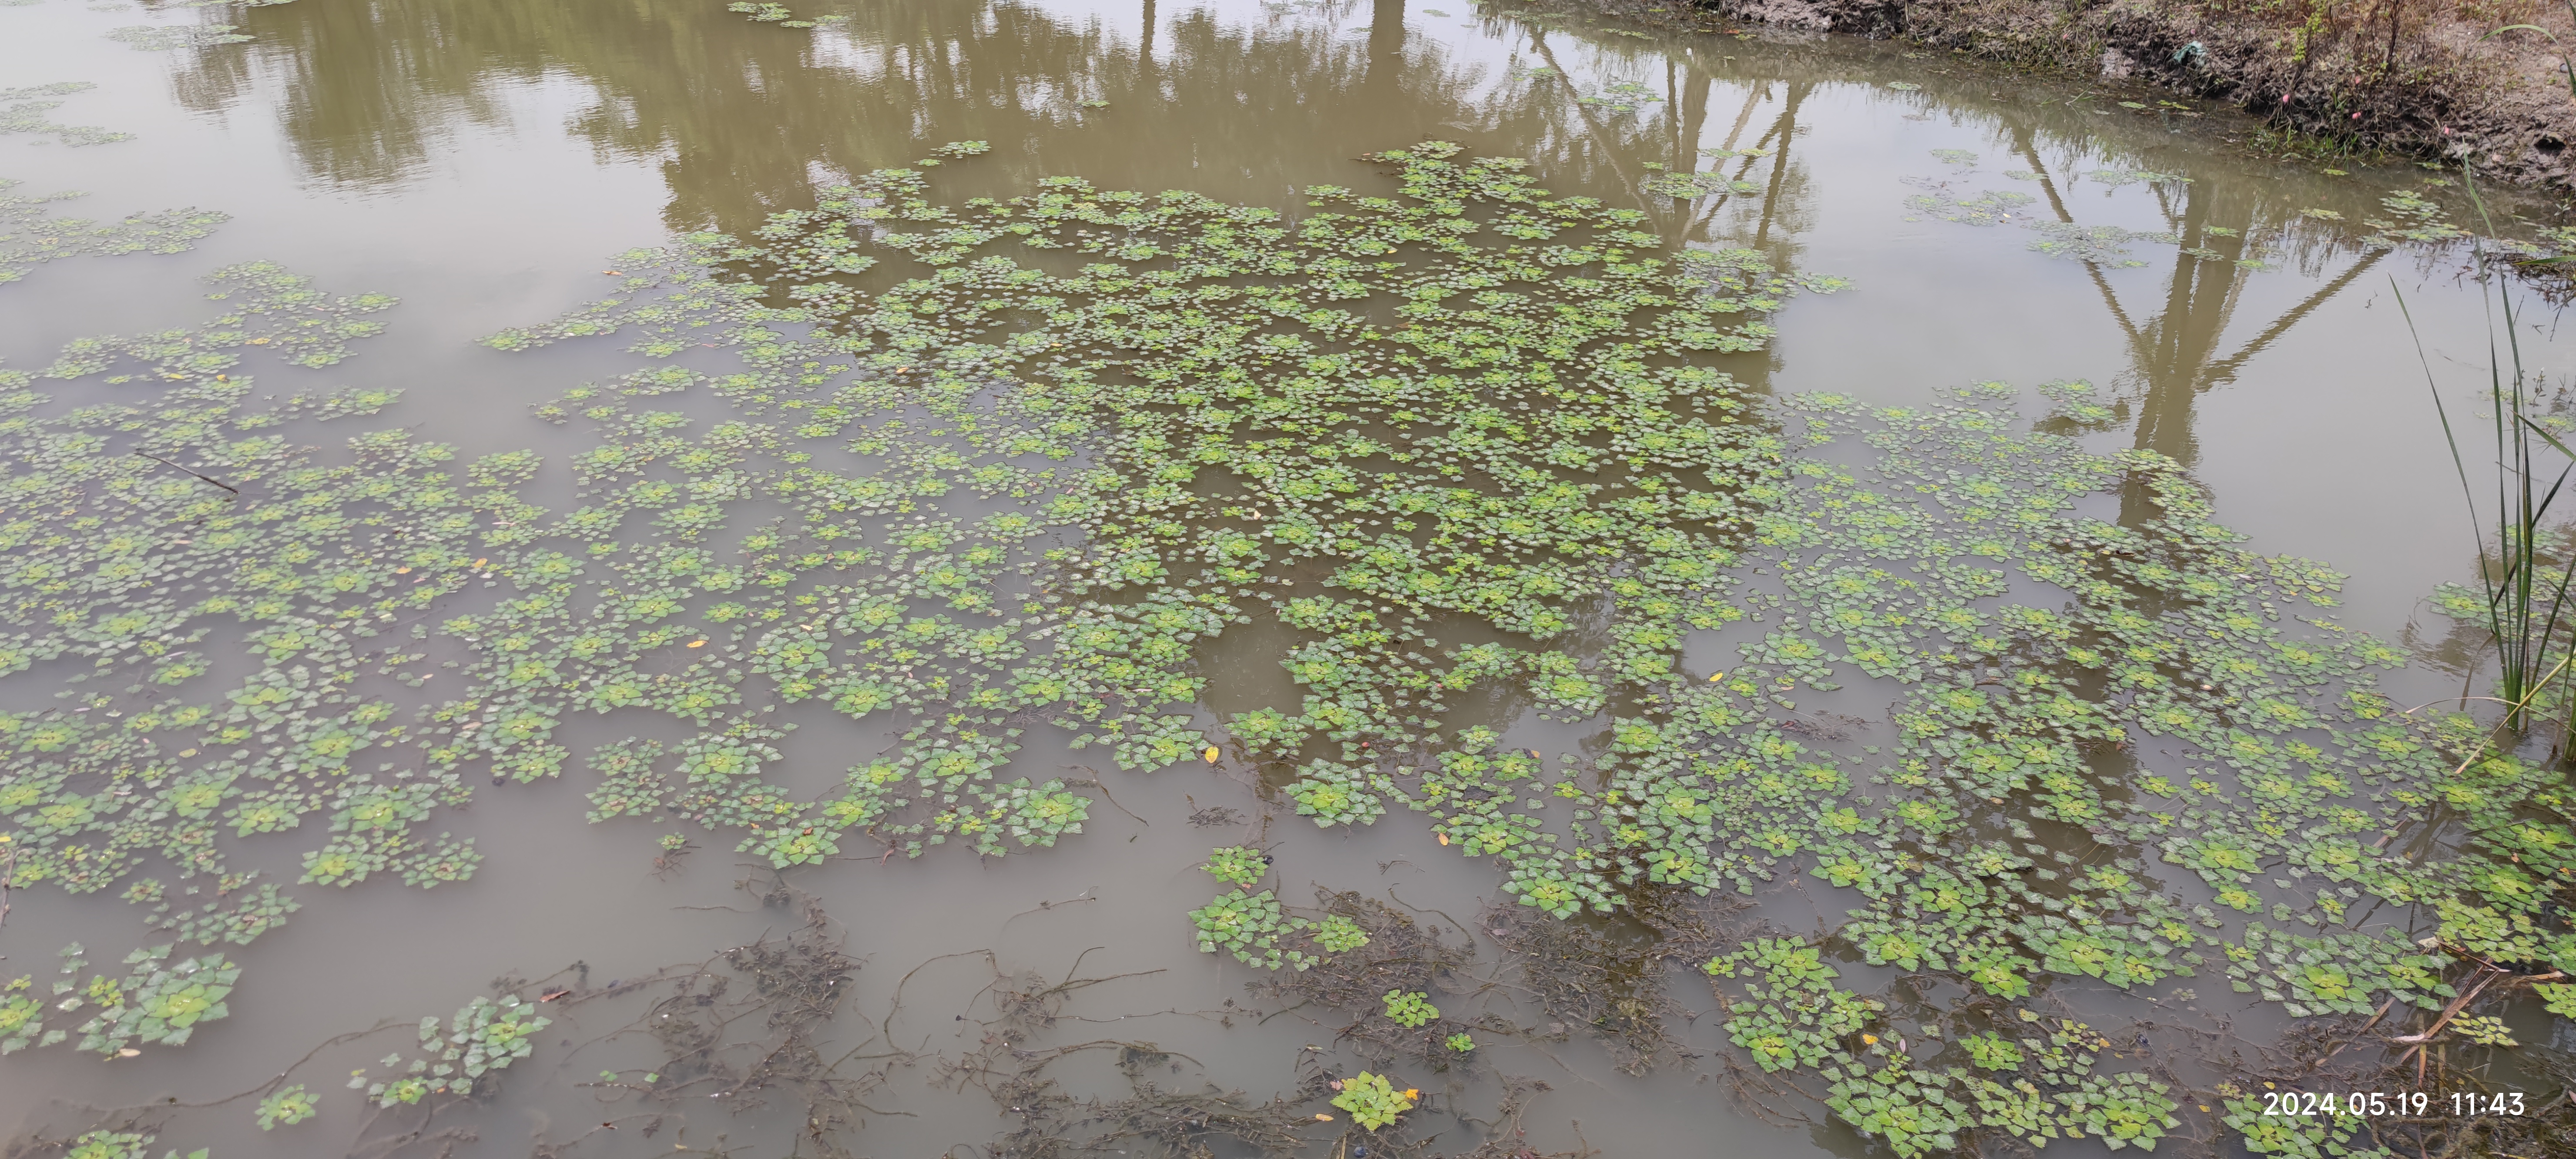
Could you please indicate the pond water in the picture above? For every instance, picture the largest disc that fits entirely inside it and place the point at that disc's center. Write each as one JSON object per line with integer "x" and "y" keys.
{"x": 1158, "y": 611}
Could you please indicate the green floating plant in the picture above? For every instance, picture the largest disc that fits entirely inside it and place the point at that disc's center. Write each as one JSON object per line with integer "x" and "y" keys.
{"x": 1243, "y": 867}
{"x": 237, "y": 914}
{"x": 29, "y": 238}
{"x": 1410, "y": 1009}
{"x": 158, "y": 1002}
{"x": 1340, "y": 935}
{"x": 1251, "y": 927}
{"x": 2103, "y": 245}
{"x": 165, "y": 37}
{"x": 2330, "y": 1132}
{"x": 865, "y": 643}
{"x": 983, "y": 467}
{"x": 1335, "y": 794}
{"x": 120, "y": 1145}
{"x": 22, "y": 112}
{"x": 2341, "y": 973}
{"x": 483, "y": 1037}
{"x": 1373, "y": 1101}
{"x": 289, "y": 1105}
{"x": 2115, "y": 178}
{"x": 2484, "y": 1030}
{"x": 1943, "y": 204}
{"x": 1620, "y": 98}
{"x": 1692, "y": 186}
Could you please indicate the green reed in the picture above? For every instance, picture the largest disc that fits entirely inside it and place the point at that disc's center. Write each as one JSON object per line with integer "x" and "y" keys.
{"x": 2525, "y": 608}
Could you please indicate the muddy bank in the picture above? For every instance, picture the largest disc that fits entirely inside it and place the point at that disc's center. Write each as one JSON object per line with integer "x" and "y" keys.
{"x": 2483, "y": 83}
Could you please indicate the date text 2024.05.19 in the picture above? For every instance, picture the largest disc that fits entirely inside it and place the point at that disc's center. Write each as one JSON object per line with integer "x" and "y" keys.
{"x": 2407, "y": 1103}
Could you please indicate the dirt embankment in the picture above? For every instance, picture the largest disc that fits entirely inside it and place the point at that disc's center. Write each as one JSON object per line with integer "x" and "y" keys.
{"x": 2417, "y": 77}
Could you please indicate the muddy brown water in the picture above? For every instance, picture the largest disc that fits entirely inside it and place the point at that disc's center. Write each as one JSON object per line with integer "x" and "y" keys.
{"x": 483, "y": 161}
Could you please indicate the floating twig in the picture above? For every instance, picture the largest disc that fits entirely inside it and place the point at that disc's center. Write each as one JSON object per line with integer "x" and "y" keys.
{"x": 1045, "y": 906}
{"x": 200, "y": 474}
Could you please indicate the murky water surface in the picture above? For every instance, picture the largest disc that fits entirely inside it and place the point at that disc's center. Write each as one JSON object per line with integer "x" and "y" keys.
{"x": 483, "y": 162}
